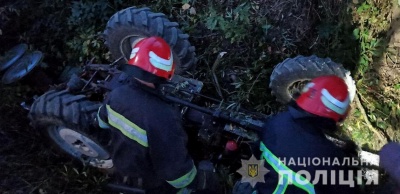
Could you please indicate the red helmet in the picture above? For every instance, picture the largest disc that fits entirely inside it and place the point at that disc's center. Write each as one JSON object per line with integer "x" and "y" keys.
{"x": 152, "y": 58}
{"x": 326, "y": 96}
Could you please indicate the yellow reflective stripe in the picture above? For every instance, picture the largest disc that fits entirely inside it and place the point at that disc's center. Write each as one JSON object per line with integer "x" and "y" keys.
{"x": 279, "y": 167}
{"x": 184, "y": 180}
{"x": 129, "y": 129}
{"x": 282, "y": 184}
{"x": 102, "y": 124}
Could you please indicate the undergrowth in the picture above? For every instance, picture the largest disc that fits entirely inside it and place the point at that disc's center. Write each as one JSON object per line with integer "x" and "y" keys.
{"x": 372, "y": 128}
{"x": 26, "y": 162}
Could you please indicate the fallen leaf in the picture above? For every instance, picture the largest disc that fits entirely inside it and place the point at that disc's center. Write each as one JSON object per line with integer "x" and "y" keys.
{"x": 185, "y": 6}
{"x": 192, "y": 11}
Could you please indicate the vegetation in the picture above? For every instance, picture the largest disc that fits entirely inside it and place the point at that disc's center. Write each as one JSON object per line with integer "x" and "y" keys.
{"x": 378, "y": 124}
{"x": 256, "y": 35}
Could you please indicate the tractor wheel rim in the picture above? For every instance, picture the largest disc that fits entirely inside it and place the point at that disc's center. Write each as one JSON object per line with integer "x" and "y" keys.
{"x": 77, "y": 144}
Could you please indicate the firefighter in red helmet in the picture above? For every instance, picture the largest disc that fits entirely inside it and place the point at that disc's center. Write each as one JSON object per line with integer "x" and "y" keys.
{"x": 327, "y": 97}
{"x": 295, "y": 150}
{"x": 148, "y": 143}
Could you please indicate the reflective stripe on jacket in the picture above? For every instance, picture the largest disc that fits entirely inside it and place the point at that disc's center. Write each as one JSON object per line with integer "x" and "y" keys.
{"x": 284, "y": 173}
{"x": 297, "y": 136}
{"x": 148, "y": 140}
{"x": 129, "y": 129}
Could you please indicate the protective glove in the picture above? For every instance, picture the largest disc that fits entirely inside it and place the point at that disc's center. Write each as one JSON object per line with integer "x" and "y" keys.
{"x": 206, "y": 165}
{"x": 389, "y": 160}
{"x": 75, "y": 83}
{"x": 206, "y": 179}
{"x": 243, "y": 188}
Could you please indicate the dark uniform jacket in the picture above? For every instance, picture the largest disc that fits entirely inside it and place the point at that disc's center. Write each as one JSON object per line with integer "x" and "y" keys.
{"x": 148, "y": 141}
{"x": 295, "y": 137}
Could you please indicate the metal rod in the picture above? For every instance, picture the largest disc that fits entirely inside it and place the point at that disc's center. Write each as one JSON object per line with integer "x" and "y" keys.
{"x": 90, "y": 81}
{"x": 116, "y": 61}
{"x": 217, "y": 114}
{"x": 190, "y": 105}
{"x": 220, "y": 102}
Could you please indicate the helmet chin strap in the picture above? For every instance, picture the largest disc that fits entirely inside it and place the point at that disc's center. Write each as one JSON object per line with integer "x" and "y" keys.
{"x": 140, "y": 74}
{"x": 148, "y": 84}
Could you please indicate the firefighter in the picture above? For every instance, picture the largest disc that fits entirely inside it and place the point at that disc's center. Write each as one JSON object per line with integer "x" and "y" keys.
{"x": 295, "y": 150}
{"x": 148, "y": 143}
{"x": 389, "y": 161}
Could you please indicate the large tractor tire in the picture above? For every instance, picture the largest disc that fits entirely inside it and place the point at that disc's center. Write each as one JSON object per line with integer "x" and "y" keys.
{"x": 127, "y": 25}
{"x": 66, "y": 120}
{"x": 289, "y": 76}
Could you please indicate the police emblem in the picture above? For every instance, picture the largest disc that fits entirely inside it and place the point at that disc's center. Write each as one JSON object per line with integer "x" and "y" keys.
{"x": 253, "y": 171}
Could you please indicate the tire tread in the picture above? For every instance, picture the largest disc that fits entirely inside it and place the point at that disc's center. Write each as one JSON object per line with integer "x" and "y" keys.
{"x": 300, "y": 68}
{"x": 142, "y": 21}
